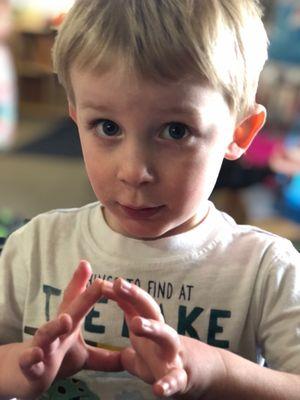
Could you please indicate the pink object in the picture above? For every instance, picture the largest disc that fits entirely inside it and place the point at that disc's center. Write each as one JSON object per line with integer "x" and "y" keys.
{"x": 261, "y": 148}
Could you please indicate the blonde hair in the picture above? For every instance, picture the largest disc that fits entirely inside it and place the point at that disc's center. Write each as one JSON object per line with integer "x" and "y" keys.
{"x": 221, "y": 41}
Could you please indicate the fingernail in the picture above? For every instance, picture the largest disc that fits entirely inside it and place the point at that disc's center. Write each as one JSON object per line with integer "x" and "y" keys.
{"x": 166, "y": 388}
{"x": 125, "y": 286}
{"x": 146, "y": 325}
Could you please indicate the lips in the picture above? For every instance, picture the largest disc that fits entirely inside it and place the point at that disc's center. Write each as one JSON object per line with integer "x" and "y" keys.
{"x": 140, "y": 212}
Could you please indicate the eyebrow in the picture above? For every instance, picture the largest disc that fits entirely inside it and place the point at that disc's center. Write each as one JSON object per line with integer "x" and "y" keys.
{"x": 97, "y": 107}
{"x": 189, "y": 111}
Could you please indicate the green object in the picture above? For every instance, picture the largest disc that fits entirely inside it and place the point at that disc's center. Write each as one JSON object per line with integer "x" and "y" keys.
{"x": 8, "y": 223}
{"x": 296, "y": 243}
{"x": 3, "y": 231}
{"x": 6, "y": 216}
{"x": 69, "y": 389}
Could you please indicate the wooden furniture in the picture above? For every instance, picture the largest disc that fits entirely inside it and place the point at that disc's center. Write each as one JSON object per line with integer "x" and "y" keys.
{"x": 39, "y": 91}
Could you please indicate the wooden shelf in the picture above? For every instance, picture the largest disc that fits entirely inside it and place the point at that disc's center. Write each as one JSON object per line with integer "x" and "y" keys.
{"x": 39, "y": 91}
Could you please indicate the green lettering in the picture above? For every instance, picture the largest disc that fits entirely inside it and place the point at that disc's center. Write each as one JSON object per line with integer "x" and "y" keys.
{"x": 214, "y": 328}
{"x": 185, "y": 321}
{"x": 49, "y": 291}
{"x": 89, "y": 326}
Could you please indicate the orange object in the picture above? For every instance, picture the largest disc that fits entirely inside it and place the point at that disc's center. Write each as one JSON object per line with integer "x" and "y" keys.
{"x": 57, "y": 20}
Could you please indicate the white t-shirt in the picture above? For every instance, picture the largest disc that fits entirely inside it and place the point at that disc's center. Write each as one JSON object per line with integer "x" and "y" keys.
{"x": 232, "y": 286}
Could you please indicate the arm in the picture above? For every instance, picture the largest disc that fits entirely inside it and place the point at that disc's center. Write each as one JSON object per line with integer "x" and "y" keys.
{"x": 179, "y": 365}
{"x": 246, "y": 380}
{"x": 57, "y": 349}
{"x": 286, "y": 161}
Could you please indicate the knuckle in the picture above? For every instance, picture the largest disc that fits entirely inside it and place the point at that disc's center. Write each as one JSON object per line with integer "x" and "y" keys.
{"x": 42, "y": 332}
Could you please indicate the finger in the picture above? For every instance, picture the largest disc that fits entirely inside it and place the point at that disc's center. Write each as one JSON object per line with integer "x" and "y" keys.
{"x": 82, "y": 304}
{"x": 103, "y": 360}
{"x": 109, "y": 292}
{"x": 165, "y": 337}
{"x": 174, "y": 382}
{"x": 31, "y": 363}
{"x": 143, "y": 304}
{"x": 77, "y": 284}
{"x": 129, "y": 311}
{"x": 46, "y": 335}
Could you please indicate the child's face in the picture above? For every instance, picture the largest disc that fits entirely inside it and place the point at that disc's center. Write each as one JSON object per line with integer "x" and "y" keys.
{"x": 152, "y": 152}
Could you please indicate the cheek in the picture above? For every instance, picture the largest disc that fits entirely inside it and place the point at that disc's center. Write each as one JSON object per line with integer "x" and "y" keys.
{"x": 186, "y": 182}
{"x": 196, "y": 179}
{"x": 98, "y": 171}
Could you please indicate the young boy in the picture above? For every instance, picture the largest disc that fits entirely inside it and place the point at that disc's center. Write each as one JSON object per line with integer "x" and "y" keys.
{"x": 161, "y": 92}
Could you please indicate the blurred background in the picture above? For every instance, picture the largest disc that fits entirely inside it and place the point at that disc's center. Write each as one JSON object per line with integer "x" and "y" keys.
{"x": 41, "y": 166}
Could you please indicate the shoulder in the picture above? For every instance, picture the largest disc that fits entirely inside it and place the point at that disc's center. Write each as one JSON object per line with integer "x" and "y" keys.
{"x": 271, "y": 260}
{"x": 53, "y": 224}
{"x": 253, "y": 242}
{"x": 64, "y": 216}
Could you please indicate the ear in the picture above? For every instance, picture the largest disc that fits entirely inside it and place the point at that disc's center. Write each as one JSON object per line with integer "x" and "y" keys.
{"x": 72, "y": 111}
{"x": 245, "y": 132}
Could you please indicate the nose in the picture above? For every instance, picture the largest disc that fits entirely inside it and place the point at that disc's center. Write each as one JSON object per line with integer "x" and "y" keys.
{"x": 135, "y": 167}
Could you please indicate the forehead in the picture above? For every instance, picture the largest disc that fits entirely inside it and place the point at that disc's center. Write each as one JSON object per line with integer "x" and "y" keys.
{"x": 116, "y": 87}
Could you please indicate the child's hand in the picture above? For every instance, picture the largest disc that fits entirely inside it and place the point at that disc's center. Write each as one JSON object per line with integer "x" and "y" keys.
{"x": 286, "y": 160}
{"x": 58, "y": 348}
{"x": 172, "y": 363}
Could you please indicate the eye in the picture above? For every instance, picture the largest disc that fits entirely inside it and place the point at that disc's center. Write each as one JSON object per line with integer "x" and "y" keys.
{"x": 175, "y": 131}
{"x": 106, "y": 127}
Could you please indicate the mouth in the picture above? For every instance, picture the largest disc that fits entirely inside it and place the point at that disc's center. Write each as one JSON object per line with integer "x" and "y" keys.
{"x": 140, "y": 213}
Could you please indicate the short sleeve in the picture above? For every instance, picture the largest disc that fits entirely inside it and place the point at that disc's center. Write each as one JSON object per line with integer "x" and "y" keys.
{"x": 278, "y": 331}
{"x": 13, "y": 287}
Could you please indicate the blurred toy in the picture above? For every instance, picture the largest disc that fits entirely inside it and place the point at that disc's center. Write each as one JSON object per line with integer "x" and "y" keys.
{"x": 8, "y": 223}
{"x": 66, "y": 389}
{"x": 57, "y": 20}
{"x": 285, "y": 161}
{"x": 262, "y": 149}
{"x": 286, "y": 158}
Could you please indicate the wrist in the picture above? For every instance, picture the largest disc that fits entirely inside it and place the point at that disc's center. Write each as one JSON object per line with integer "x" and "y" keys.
{"x": 209, "y": 381}
{"x": 218, "y": 381}
{"x": 244, "y": 379}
